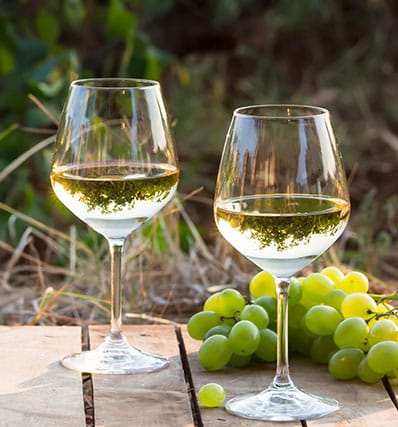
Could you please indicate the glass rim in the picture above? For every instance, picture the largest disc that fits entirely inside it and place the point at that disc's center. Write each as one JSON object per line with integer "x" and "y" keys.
{"x": 115, "y": 83}
{"x": 281, "y": 111}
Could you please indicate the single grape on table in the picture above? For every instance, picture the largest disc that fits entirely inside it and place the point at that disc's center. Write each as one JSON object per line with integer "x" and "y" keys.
{"x": 211, "y": 395}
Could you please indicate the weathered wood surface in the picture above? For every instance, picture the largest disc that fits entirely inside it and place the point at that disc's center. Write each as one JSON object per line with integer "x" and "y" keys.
{"x": 362, "y": 405}
{"x": 35, "y": 390}
{"x": 235, "y": 382}
{"x": 147, "y": 400}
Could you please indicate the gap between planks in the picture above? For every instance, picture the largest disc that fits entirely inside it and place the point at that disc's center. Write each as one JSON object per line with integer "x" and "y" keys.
{"x": 87, "y": 383}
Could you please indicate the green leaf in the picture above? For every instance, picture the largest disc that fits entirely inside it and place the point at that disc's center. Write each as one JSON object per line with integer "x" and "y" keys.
{"x": 121, "y": 22}
{"x": 74, "y": 12}
{"x": 50, "y": 89}
{"x": 47, "y": 27}
{"x": 7, "y": 60}
{"x": 155, "y": 63}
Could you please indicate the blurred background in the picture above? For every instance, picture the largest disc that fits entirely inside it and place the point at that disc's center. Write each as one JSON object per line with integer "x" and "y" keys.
{"x": 210, "y": 56}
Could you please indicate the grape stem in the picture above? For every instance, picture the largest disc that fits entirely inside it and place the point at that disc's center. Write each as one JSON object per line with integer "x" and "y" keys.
{"x": 389, "y": 313}
{"x": 381, "y": 298}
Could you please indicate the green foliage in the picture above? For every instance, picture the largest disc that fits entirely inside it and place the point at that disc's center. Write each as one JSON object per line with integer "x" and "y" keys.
{"x": 338, "y": 55}
{"x": 121, "y": 23}
{"x": 43, "y": 46}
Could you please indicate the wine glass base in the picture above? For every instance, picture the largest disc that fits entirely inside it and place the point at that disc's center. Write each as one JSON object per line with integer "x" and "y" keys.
{"x": 115, "y": 356}
{"x": 281, "y": 404}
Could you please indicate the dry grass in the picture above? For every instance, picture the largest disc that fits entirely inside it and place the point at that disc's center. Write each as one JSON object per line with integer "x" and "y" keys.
{"x": 53, "y": 277}
{"x": 159, "y": 283}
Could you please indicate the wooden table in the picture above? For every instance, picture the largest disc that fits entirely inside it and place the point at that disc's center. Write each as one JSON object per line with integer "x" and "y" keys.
{"x": 35, "y": 390}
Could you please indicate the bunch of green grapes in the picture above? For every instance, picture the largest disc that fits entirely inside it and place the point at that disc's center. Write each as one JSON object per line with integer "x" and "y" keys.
{"x": 332, "y": 319}
{"x": 233, "y": 331}
{"x": 353, "y": 332}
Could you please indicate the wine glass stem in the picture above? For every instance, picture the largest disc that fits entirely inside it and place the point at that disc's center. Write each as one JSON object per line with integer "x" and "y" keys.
{"x": 116, "y": 249}
{"x": 282, "y": 376}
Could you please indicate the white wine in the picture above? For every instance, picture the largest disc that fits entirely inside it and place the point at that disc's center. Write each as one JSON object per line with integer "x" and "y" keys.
{"x": 115, "y": 199}
{"x": 282, "y": 233}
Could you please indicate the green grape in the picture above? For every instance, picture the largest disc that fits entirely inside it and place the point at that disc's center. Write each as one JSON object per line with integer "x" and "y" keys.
{"x": 244, "y": 337}
{"x": 358, "y": 304}
{"x": 383, "y": 330}
{"x": 218, "y": 330}
{"x": 226, "y": 303}
{"x": 308, "y": 302}
{"x": 333, "y": 273}
{"x": 256, "y": 314}
{"x": 322, "y": 349}
{"x": 335, "y": 298}
{"x": 295, "y": 291}
{"x": 301, "y": 341}
{"x": 201, "y": 322}
{"x": 212, "y": 303}
{"x": 343, "y": 365}
{"x": 351, "y": 332}
{"x": 239, "y": 361}
{"x": 305, "y": 329}
{"x": 315, "y": 287}
{"x": 383, "y": 357}
{"x": 294, "y": 334}
{"x": 211, "y": 395}
{"x": 296, "y": 315}
{"x": 366, "y": 374}
{"x": 266, "y": 350}
{"x": 263, "y": 283}
{"x": 322, "y": 319}
{"x": 268, "y": 303}
{"x": 215, "y": 352}
{"x": 355, "y": 281}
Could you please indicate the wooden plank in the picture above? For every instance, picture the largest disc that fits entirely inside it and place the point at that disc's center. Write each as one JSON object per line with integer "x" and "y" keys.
{"x": 362, "y": 405}
{"x": 152, "y": 399}
{"x": 35, "y": 390}
{"x": 235, "y": 382}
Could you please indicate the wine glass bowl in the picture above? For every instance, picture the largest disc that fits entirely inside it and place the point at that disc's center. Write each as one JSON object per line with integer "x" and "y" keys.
{"x": 114, "y": 167}
{"x": 281, "y": 200}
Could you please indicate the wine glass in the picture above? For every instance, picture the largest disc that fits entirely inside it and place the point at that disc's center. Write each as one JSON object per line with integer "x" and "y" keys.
{"x": 114, "y": 167}
{"x": 281, "y": 200}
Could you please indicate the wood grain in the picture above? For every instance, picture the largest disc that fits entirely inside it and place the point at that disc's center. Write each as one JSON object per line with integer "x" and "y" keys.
{"x": 147, "y": 400}
{"x": 35, "y": 390}
{"x": 362, "y": 405}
